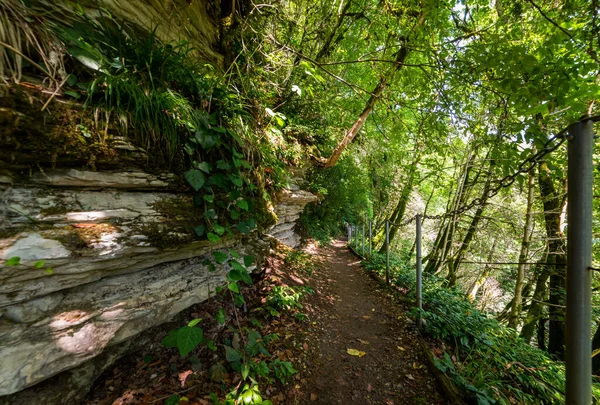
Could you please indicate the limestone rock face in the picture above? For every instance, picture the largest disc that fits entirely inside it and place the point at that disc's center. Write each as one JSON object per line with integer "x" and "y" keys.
{"x": 112, "y": 267}
{"x": 290, "y": 203}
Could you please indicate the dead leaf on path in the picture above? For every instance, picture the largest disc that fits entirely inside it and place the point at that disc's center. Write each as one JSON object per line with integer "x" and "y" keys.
{"x": 364, "y": 342}
{"x": 367, "y": 316}
{"x": 410, "y": 377}
{"x": 313, "y": 396}
{"x": 354, "y": 352}
{"x": 401, "y": 348}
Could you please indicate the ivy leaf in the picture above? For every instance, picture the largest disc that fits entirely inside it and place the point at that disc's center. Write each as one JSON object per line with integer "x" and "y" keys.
{"x": 234, "y": 214}
{"x": 223, "y": 165}
{"x": 232, "y": 355}
{"x": 210, "y": 214}
{"x": 209, "y": 198}
{"x": 218, "y": 229}
{"x": 211, "y": 345}
{"x": 220, "y": 316}
{"x": 195, "y": 178}
{"x": 49, "y": 271}
{"x": 220, "y": 257}
{"x": 243, "y": 204}
{"x": 171, "y": 339}
{"x": 205, "y": 167}
{"x": 13, "y": 261}
{"x": 199, "y": 230}
{"x": 235, "y": 179}
{"x": 188, "y": 338}
{"x": 233, "y": 286}
{"x": 194, "y": 322}
{"x": 172, "y": 400}
{"x": 212, "y": 237}
{"x": 248, "y": 260}
{"x": 39, "y": 264}
{"x": 234, "y": 275}
{"x": 205, "y": 138}
{"x": 235, "y": 254}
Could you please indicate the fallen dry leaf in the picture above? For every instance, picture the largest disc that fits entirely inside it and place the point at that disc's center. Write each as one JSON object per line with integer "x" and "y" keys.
{"x": 354, "y": 352}
{"x": 364, "y": 342}
{"x": 401, "y": 348}
{"x": 313, "y": 396}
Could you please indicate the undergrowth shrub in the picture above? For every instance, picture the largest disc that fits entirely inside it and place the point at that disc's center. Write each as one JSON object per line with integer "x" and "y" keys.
{"x": 488, "y": 361}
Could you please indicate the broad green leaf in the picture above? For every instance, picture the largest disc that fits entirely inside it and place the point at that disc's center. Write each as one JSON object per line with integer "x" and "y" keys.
{"x": 188, "y": 338}
{"x": 232, "y": 355}
{"x": 39, "y": 264}
{"x": 234, "y": 214}
{"x": 220, "y": 316}
{"x": 248, "y": 260}
{"x": 220, "y": 257}
{"x": 199, "y": 230}
{"x": 171, "y": 339}
{"x": 212, "y": 237}
{"x": 195, "y": 178}
{"x": 234, "y": 275}
{"x": 172, "y": 400}
{"x": 235, "y": 254}
{"x": 205, "y": 167}
{"x": 13, "y": 261}
{"x": 245, "y": 371}
{"x": 218, "y": 229}
{"x": 243, "y": 204}
{"x": 209, "y": 198}
{"x": 194, "y": 322}
{"x": 235, "y": 179}
{"x": 210, "y": 214}
{"x": 211, "y": 345}
{"x": 233, "y": 286}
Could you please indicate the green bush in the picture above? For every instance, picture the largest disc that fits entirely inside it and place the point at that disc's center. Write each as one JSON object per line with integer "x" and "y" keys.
{"x": 489, "y": 362}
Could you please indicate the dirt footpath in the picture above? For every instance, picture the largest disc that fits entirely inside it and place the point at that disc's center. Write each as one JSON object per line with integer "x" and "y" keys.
{"x": 364, "y": 348}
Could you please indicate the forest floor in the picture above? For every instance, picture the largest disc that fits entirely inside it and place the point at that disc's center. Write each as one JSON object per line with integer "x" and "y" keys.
{"x": 363, "y": 316}
{"x": 353, "y": 343}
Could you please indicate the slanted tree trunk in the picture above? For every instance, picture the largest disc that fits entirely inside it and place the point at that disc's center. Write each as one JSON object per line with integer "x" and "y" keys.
{"x": 517, "y": 302}
{"x": 362, "y": 118}
{"x": 443, "y": 241}
{"x": 554, "y": 205}
{"x": 472, "y": 291}
{"x": 464, "y": 246}
{"x": 536, "y": 308}
{"x": 400, "y": 209}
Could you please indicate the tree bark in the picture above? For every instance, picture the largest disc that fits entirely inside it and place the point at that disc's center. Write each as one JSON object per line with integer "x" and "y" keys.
{"x": 556, "y": 260}
{"x": 515, "y": 313}
{"x": 375, "y": 95}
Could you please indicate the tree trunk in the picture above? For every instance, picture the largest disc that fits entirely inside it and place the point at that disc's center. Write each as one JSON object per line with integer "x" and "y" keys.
{"x": 398, "y": 213}
{"x": 453, "y": 266}
{"x": 515, "y": 313}
{"x": 472, "y": 291}
{"x": 556, "y": 262}
{"x": 536, "y": 308}
{"x": 375, "y": 95}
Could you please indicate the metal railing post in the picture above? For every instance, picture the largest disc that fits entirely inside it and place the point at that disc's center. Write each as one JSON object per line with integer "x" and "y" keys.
{"x": 419, "y": 271}
{"x": 363, "y": 239}
{"x": 387, "y": 252}
{"x": 579, "y": 261}
{"x": 370, "y": 238}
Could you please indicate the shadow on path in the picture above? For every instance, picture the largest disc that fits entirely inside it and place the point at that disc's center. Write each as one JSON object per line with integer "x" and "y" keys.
{"x": 359, "y": 314}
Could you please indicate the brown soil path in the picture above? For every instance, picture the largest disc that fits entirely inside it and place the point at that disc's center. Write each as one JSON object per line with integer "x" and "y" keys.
{"x": 358, "y": 313}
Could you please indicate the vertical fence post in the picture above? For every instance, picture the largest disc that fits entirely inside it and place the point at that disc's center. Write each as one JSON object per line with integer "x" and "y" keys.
{"x": 579, "y": 261}
{"x": 370, "y": 238}
{"x": 387, "y": 252}
{"x": 363, "y": 239}
{"x": 419, "y": 271}
{"x": 349, "y": 233}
